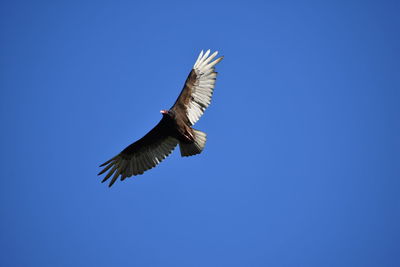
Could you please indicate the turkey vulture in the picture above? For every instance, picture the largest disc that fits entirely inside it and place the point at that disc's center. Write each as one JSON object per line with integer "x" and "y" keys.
{"x": 174, "y": 127}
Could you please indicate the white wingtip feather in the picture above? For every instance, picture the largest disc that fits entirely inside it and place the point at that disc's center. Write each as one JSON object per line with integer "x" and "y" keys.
{"x": 203, "y": 64}
{"x": 198, "y": 59}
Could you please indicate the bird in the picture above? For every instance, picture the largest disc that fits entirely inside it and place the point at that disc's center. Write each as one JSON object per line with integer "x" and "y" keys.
{"x": 175, "y": 126}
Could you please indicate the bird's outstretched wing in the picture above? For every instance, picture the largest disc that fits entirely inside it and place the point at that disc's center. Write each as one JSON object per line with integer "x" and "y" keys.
{"x": 142, "y": 155}
{"x": 196, "y": 94}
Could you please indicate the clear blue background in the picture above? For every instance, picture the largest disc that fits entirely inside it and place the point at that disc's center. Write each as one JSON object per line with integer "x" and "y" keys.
{"x": 302, "y": 163}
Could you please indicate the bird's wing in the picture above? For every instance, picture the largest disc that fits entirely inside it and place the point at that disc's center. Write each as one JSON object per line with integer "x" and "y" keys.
{"x": 196, "y": 94}
{"x": 142, "y": 155}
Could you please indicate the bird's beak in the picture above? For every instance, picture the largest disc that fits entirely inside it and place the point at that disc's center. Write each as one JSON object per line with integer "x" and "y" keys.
{"x": 163, "y": 111}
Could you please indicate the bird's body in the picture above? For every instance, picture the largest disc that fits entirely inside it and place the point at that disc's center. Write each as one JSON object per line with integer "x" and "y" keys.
{"x": 174, "y": 128}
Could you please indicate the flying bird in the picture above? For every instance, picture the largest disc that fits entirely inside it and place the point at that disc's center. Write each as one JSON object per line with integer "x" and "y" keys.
{"x": 174, "y": 128}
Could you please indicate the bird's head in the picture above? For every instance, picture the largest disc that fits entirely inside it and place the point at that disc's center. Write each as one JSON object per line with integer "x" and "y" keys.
{"x": 167, "y": 112}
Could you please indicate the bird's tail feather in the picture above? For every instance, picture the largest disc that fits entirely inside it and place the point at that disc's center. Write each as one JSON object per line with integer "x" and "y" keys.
{"x": 200, "y": 139}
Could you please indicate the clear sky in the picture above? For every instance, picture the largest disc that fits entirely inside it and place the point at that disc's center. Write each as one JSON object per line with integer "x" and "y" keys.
{"x": 302, "y": 162}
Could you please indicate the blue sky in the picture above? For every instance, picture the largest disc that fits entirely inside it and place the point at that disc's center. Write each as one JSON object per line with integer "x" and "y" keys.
{"x": 301, "y": 166}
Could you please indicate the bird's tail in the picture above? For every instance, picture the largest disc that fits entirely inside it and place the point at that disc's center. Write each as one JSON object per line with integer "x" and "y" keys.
{"x": 196, "y": 147}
